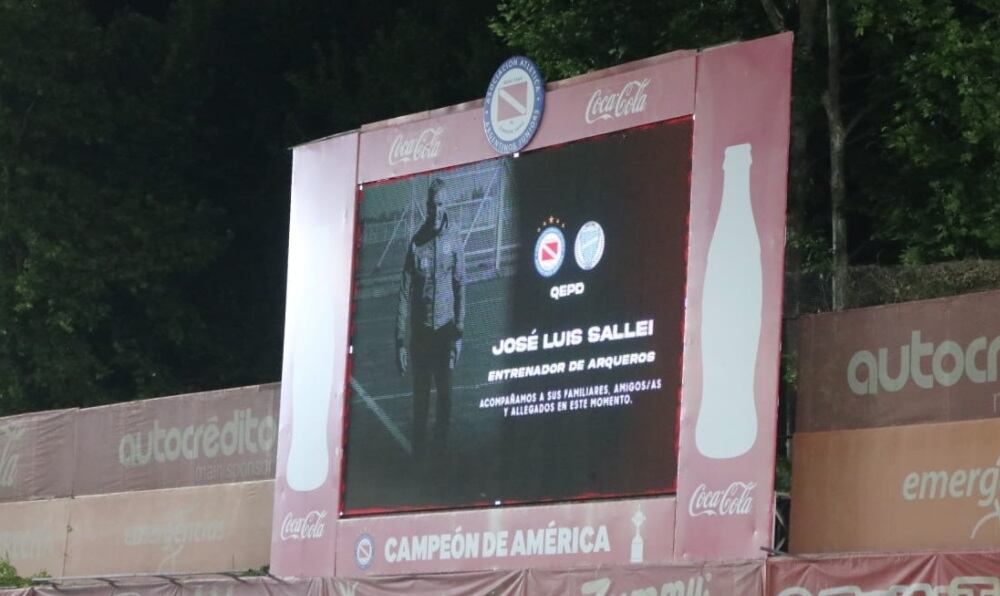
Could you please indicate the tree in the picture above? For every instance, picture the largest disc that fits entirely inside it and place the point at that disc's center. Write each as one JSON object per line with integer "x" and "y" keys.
{"x": 905, "y": 135}
{"x": 936, "y": 193}
{"x": 256, "y": 79}
{"x": 567, "y": 37}
{"x": 144, "y": 174}
{"x": 144, "y": 167}
{"x": 97, "y": 241}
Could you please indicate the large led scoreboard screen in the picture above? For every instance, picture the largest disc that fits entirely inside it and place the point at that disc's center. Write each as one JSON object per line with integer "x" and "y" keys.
{"x": 516, "y": 329}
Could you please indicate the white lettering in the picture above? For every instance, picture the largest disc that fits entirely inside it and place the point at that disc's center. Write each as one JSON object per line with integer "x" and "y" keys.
{"x": 695, "y": 586}
{"x": 736, "y": 499}
{"x": 311, "y": 526}
{"x": 550, "y": 540}
{"x": 981, "y": 484}
{"x": 949, "y": 362}
{"x": 175, "y": 532}
{"x": 630, "y": 99}
{"x": 243, "y": 433}
{"x": 970, "y": 584}
{"x": 426, "y": 145}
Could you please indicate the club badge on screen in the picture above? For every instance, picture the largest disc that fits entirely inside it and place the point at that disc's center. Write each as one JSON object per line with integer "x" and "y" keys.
{"x": 550, "y": 250}
{"x": 589, "y": 246}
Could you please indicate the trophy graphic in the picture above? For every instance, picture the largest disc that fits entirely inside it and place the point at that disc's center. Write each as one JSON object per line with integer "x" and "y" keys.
{"x": 637, "y": 545}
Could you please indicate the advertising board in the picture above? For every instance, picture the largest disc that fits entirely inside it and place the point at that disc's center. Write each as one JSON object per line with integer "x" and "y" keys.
{"x": 556, "y": 282}
{"x": 214, "y": 437}
{"x": 36, "y": 455}
{"x": 919, "y": 574}
{"x": 653, "y": 90}
{"x": 695, "y": 283}
{"x": 196, "y": 529}
{"x": 927, "y": 361}
{"x": 596, "y": 533}
{"x": 732, "y": 343}
{"x": 928, "y": 486}
{"x": 744, "y": 578}
{"x": 33, "y": 535}
{"x": 321, "y": 242}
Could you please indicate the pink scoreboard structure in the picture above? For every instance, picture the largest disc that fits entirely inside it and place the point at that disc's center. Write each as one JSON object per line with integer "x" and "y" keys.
{"x": 557, "y": 354}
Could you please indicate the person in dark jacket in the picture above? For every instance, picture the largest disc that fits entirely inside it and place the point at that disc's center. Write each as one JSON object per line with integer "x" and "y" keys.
{"x": 431, "y": 316}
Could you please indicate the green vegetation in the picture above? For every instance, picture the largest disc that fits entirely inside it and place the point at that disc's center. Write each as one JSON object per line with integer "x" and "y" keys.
{"x": 896, "y": 113}
{"x": 144, "y": 175}
{"x": 144, "y": 169}
{"x": 9, "y": 577}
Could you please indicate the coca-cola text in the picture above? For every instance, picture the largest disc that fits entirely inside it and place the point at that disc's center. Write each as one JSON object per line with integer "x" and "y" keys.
{"x": 308, "y": 527}
{"x": 736, "y": 499}
{"x": 426, "y": 145}
{"x": 630, "y": 99}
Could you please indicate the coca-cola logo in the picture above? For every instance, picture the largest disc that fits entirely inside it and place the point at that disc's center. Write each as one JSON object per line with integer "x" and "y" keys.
{"x": 426, "y": 145}
{"x": 736, "y": 499}
{"x": 10, "y": 440}
{"x": 308, "y": 527}
{"x": 605, "y": 105}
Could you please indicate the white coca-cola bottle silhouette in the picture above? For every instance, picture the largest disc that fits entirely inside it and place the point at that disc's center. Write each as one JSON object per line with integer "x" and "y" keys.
{"x": 731, "y": 319}
{"x": 312, "y": 366}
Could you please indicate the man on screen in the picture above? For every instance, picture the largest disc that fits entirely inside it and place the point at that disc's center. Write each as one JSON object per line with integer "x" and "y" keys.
{"x": 431, "y": 313}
